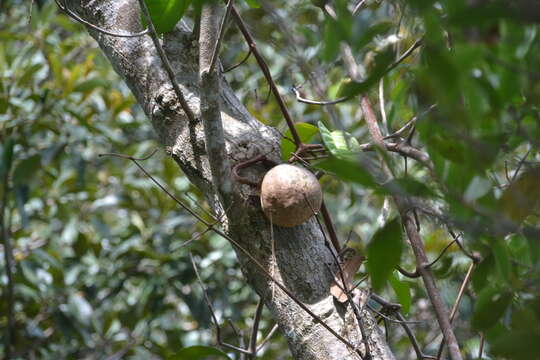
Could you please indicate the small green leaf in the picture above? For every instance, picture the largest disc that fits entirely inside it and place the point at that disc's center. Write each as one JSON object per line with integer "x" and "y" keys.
{"x": 347, "y": 170}
{"x": 305, "y": 131}
{"x": 490, "y": 307}
{"x": 26, "y": 170}
{"x": 384, "y": 253}
{"x": 254, "y": 4}
{"x": 480, "y": 276}
{"x": 199, "y": 352}
{"x": 402, "y": 290}
{"x": 338, "y": 142}
{"x": 165, "y": 14}
{"x": 331, "y": 41}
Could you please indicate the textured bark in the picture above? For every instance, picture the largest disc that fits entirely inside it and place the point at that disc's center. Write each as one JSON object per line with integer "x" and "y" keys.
{"x": 300, "y": 252}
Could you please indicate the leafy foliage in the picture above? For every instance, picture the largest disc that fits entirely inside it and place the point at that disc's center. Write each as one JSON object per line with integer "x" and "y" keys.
{"x": 100, "y": 247}
{"x": 99, "y": 269}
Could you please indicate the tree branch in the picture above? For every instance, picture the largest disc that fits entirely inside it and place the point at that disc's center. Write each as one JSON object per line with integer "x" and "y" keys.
{"x": 209, "y": 96}
{"x": 166, "y": 63}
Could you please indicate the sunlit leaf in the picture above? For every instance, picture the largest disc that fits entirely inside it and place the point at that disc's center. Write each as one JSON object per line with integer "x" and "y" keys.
{"x": 254, "y": 4}
{"x": 339, "y": 142}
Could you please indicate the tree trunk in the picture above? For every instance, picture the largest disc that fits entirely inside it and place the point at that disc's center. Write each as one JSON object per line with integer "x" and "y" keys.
{"x": 300, "y": 252}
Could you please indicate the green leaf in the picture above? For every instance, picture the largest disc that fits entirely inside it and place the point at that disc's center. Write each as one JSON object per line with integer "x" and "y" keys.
{"x": 26, "y": 170}
{"x": 165, "y": 14}
{"x": 254, "y": 4}
{"x": 384, "y": 253}
{"x": 339, "y": 142}
{"x": 87, "y": 86}
{"x": 198, "y": 352}
{"x": 490, "y": 307}
{"x": 305, "y": 131}
{"x": 480, "y": 276}
{"x": 331, "y": 41}
{"x": 502, "y": 258}
{"x": 521, "y": 197}
{"x": 28, "y": 74}
{"x": 402, "y": 290}
{"x": 520, "y": 344}
{"x": 347, "y": 170}
{"x": 382, "y": 62}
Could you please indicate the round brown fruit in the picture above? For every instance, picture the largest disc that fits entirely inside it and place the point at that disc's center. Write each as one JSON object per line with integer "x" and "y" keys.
{"x": 284, "y": 191}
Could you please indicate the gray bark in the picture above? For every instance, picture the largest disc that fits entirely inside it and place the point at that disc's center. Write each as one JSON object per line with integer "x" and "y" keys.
{"x": 301, "y": 253}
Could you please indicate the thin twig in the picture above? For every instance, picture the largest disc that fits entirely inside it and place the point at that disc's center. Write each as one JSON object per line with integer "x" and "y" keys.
{"x": 314, "y": 102}
{"x": 404, "y": 56}
{"x": 255, "y": 329}
{"x": 475, "y": 258}
{"x": 520, "y": 164}
{"x": 268, "y": 76}
{"x": 388, "y": 318}
{"x": 481, "y": 348}
{"x": 213, "y": 313}
{"x": 410, "y": 123}
{"x": 434, "y": 294}
{"x": 344, "y": 287}
{"x": 358, "y": 6}
{"x": 267, "y": 338}
{"x": 416, "y": 274}
{"x": 238, "y": 63}
{"x": 76, "y": 17}
{"x": 411, "y": 230}
{"x": 166, "y": 64}
{"x": 405, "y": 326}
{"x": 215, "y": 53}
{"x": 453, "y": 312}
{"x": 381, "y": 105}
{"x": 330, "y": 227}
